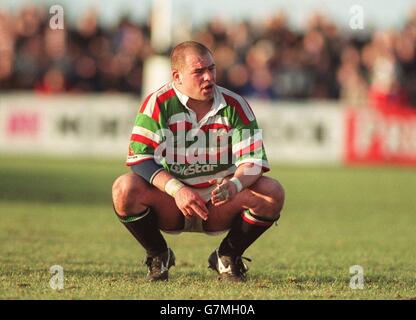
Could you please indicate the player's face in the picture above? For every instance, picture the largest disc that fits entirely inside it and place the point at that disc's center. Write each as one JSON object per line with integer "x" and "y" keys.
{"x": 198, "y": 76}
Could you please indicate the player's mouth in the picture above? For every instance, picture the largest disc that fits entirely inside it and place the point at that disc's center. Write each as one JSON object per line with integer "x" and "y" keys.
{"x": 208, "y": 88}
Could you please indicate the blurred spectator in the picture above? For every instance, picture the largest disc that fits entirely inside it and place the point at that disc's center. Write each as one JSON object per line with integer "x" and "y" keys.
{"x": 6, "y": 49}
{"x": 353, "y": 85}
{"x": 265, "y": 60}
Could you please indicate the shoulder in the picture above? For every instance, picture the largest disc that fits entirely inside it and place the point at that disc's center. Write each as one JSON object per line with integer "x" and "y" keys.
{"x": 162, "y": 94}
{"x": 238, "y": 103}
{"x": 156, "y": 101}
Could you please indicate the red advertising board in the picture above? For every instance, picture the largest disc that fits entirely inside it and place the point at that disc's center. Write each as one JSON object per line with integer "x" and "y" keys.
{"x": 23, "y": 123}
{"x": 381, "y": 136}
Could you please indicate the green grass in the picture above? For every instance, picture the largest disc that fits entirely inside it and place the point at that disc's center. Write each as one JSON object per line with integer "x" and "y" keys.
{"x": 56, "y": 211}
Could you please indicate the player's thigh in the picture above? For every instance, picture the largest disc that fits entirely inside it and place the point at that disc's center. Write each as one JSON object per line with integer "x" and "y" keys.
{"x": 133, "y": 190}
{"x": 162, "y": 204}
{"x": 221, "y": 216}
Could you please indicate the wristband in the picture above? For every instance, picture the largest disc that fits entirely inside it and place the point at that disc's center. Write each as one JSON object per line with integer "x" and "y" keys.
{"x": 237, "y": 183}
{"x": 173, "y": 186}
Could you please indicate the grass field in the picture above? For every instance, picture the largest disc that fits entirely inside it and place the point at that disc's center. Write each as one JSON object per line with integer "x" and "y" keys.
{"x": 58, "y": 212}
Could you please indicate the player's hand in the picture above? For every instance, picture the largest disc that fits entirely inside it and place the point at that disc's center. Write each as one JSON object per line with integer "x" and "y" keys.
{"x": 224, "y": 191}
{"x": 191, "y": 203}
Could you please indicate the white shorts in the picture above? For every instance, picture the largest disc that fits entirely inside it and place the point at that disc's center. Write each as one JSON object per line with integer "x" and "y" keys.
{"x": 205, "y": 193}
{"x": 194, "y": 224}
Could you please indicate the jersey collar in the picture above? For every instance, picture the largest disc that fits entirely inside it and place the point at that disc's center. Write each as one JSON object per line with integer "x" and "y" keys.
{"x": 218, "y": 104}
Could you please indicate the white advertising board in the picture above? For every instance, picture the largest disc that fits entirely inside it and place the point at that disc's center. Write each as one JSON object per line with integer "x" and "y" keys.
{"x": 66, "y": 125}
{"x": 301, "y": 133}
{"x": 100, "y": 125}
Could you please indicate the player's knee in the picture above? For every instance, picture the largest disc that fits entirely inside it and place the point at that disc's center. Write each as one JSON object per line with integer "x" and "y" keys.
{"x": 277, "y": 193}
{"x": 271, "y": 202}
{"x": 125, "y": 192}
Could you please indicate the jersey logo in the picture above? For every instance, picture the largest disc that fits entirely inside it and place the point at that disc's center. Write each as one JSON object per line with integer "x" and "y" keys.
{"x": 187, "y": 170}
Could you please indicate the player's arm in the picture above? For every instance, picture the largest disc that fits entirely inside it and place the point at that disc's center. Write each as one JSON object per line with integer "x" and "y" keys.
{"x": 188, "y": 201}
{"x": 245, "y": 175}
{"x": 250, "y": 158}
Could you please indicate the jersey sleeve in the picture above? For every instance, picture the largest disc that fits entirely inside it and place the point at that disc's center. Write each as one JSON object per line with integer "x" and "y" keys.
{"x": 247, "y": 140}
{"x": 146, "y": 134}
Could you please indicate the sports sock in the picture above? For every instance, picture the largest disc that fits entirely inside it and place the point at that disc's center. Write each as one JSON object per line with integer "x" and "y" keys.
{"x": 246, "y": 228}
{"x": 144, "y": 227}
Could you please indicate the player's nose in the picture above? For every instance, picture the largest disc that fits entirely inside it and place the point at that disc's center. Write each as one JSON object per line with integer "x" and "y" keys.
{"x": 208, "y": 76}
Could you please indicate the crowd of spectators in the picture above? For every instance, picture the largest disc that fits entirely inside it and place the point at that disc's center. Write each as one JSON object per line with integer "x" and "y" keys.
{"x": 266, "y": 60}
{"x": 80, "y": 58}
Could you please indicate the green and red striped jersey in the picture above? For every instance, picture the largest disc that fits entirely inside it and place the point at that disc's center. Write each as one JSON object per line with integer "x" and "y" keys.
{"x": 167, "y": 131}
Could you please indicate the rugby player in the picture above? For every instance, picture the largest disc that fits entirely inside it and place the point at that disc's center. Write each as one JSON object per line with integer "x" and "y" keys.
{"x": 197, "y": 161}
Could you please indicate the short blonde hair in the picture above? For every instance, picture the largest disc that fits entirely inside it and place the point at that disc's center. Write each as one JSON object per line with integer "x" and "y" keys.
{"x": 177, "y": 56}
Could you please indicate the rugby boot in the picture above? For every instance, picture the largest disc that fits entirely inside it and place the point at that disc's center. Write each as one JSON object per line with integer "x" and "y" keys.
{"x": 230, "y": 268}
{"x": 158, "y": 267}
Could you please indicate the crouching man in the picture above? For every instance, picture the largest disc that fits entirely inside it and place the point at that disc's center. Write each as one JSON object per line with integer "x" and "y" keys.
{"x": 169, "y": 192}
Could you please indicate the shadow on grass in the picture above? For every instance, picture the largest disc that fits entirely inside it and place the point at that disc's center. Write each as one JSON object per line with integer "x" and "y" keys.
{"x": 55, "y": 187}
{"x": 308, "y": 280}
{"x": 106, "y": 275}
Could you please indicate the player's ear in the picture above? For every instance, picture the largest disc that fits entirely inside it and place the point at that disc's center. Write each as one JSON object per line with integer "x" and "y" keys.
{"x": 177, "y": 77}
